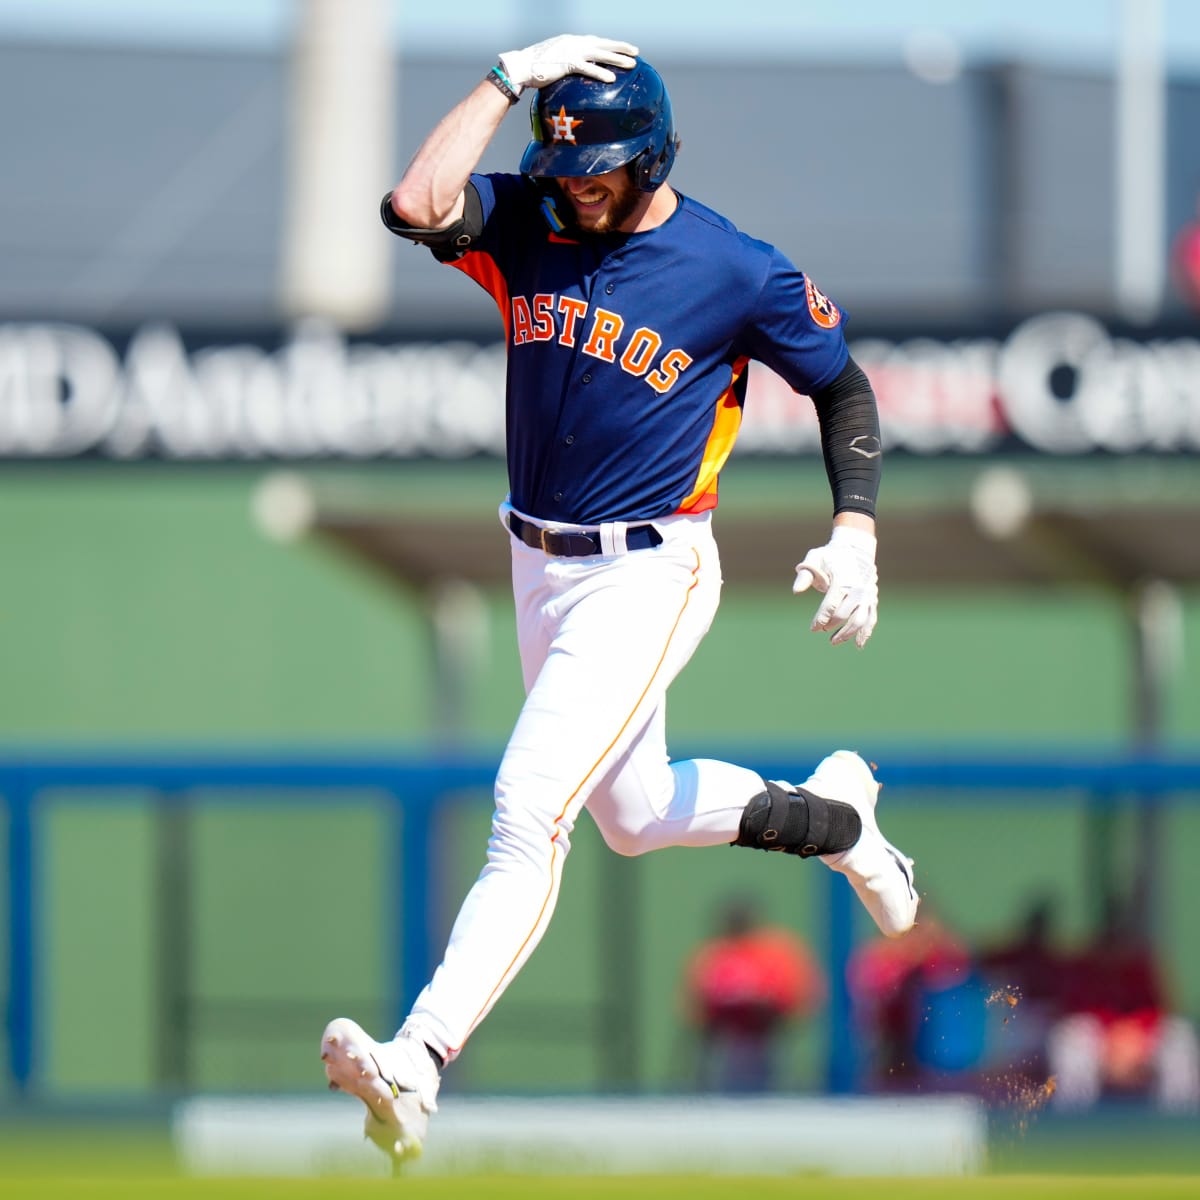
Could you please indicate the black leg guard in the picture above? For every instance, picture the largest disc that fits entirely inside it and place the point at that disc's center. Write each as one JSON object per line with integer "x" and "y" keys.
{"x": 797, "y": 822}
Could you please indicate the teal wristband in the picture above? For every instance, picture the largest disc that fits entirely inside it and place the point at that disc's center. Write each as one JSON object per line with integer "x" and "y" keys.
{"x": 497, "y": 76}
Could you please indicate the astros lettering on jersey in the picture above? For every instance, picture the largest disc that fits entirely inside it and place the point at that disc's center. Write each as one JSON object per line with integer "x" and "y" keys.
{"x": 634, "y": 348}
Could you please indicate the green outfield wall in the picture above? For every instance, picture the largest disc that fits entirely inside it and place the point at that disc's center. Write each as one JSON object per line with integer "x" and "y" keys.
{"x": 141, "y": 607}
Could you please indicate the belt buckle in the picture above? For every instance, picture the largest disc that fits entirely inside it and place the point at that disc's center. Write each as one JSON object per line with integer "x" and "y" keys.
{"x": 542, "y": 531}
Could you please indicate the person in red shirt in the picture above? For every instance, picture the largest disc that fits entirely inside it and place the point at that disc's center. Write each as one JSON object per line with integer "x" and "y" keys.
{"x": 1119, "y": 1033}
{"x": 1185, "y": 261}
{"x": 743, "y": 988}
{"x": 917, "y": 1003}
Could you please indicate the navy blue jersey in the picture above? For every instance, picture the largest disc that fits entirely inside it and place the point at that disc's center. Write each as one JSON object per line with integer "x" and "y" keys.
{"x": 628, "y": 353}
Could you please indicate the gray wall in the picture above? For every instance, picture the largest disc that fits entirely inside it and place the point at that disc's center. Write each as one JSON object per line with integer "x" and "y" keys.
{"x": 141, "y": 183}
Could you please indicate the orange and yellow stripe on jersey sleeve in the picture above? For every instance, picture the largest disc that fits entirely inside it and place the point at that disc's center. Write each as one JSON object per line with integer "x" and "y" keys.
{"x": 482, "y": 268}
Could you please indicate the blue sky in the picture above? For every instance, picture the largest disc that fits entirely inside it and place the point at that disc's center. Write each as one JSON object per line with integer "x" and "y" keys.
{"x": 1082, "y": 32}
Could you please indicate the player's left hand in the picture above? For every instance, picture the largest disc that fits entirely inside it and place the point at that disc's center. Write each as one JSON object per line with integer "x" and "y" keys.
{"x": 844, "y": 569}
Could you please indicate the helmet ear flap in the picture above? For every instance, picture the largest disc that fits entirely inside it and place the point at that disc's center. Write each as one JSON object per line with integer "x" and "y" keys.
{"x": 653, "y": 165}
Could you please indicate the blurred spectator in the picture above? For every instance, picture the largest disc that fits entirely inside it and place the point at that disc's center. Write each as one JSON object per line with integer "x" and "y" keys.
{"x": 1185, "y": 261}
{"x": 1029, "y": 975}
{"x": 743, "y": 988}
{"x": 1118, "y": 1034}
{"x": 919, "y": 1005}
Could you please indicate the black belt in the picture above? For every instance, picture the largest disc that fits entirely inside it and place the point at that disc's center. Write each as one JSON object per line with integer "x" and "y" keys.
{"x": 564, "y": 543}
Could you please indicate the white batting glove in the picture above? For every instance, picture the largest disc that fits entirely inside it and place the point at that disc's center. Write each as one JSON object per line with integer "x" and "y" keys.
{"x": 567, "y": 54}
{"x": 844, "y": 569}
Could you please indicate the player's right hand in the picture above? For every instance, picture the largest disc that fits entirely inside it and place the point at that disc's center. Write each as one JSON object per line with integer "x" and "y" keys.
{"x": 567, "y": 54}
{"x": 844, "y": 569}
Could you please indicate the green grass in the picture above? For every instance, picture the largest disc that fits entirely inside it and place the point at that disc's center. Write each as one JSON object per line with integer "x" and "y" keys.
{"x": 1031, "y": 1187}
{"x": 123, "y": 1163}
{"x": 1116, "y": 1155}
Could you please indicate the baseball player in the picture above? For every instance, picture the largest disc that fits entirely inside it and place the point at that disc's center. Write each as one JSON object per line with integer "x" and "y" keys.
{"x": 631, "y": 313}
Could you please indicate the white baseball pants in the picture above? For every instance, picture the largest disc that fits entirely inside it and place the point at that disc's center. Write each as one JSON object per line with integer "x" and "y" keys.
{"x": 601, "y": 639}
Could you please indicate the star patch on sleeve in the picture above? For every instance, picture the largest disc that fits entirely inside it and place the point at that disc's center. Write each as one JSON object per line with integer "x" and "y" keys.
{"x": 820, "y": 307}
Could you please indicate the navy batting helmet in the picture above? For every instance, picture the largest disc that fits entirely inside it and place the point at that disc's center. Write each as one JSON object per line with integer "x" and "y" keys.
{"x": 584, "y": 127}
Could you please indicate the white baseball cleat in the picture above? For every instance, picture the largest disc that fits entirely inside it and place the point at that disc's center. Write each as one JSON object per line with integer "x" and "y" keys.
{"x": 396, "y": 1080}
{"x": 879, "y": 873}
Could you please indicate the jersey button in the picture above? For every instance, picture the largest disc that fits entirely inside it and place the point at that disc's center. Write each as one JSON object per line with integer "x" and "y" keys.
{"x": 557, "y": 497}
{"x": 569, "y": 440}
{"x": 610, "y": 288}
{"x": 587, "y": 377}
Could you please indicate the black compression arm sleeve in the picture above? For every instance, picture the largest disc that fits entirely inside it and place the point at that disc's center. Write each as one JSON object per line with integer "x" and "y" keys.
{"x": 850, "y": 439}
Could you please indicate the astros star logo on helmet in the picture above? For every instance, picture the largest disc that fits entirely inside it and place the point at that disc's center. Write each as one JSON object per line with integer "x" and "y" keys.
{"x": 564, "y": 126}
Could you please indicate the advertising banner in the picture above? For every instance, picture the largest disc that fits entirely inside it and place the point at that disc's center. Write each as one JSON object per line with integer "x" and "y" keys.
{"x": 1057, "y": 383}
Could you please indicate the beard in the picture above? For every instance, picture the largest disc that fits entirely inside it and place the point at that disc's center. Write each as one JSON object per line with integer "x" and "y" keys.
{"x": 621, "y": 206}
{"x": 619, "y": 210}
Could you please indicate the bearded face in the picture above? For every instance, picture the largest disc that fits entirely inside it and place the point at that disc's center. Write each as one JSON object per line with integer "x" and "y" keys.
{"x": 601, "y": 203}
